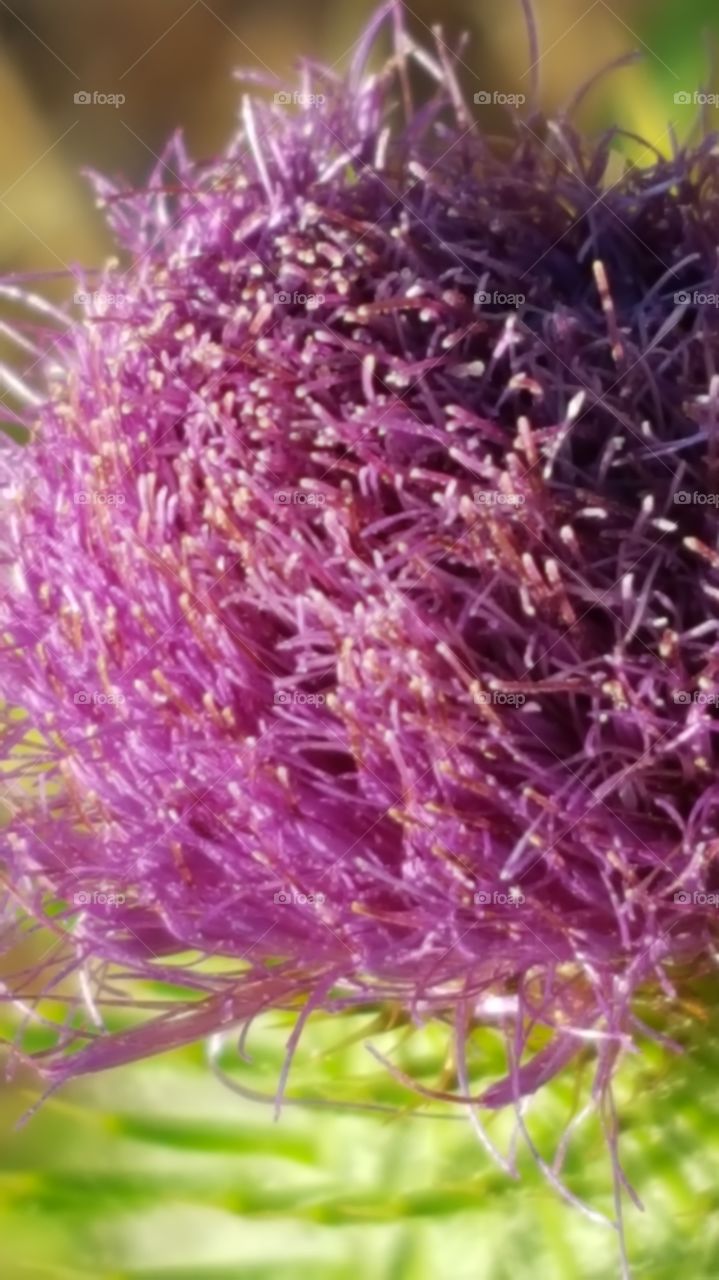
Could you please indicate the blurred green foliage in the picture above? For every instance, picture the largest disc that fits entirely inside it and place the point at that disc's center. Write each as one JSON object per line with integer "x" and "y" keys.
{"x": 160, "y": 1172}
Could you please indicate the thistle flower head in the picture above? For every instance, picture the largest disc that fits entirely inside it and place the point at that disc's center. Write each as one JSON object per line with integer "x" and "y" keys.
{"x": 362, "y": 580}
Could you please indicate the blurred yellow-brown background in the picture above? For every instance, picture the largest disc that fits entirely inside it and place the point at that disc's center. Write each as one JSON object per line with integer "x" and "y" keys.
{"x": 173, "y": 60}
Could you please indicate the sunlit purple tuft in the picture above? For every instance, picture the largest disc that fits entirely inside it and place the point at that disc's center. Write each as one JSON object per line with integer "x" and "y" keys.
{"x": 362, "y": 581}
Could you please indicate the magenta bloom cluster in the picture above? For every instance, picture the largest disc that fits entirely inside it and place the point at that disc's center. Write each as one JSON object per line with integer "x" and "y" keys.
{"x": 360, "y": 580}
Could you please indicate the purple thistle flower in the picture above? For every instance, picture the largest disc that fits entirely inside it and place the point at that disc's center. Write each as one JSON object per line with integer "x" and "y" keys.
{"x": 362, "y": 582}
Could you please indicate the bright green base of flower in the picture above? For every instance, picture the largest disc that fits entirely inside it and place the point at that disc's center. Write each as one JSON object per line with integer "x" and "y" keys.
{"x": 158, "y": 1172}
